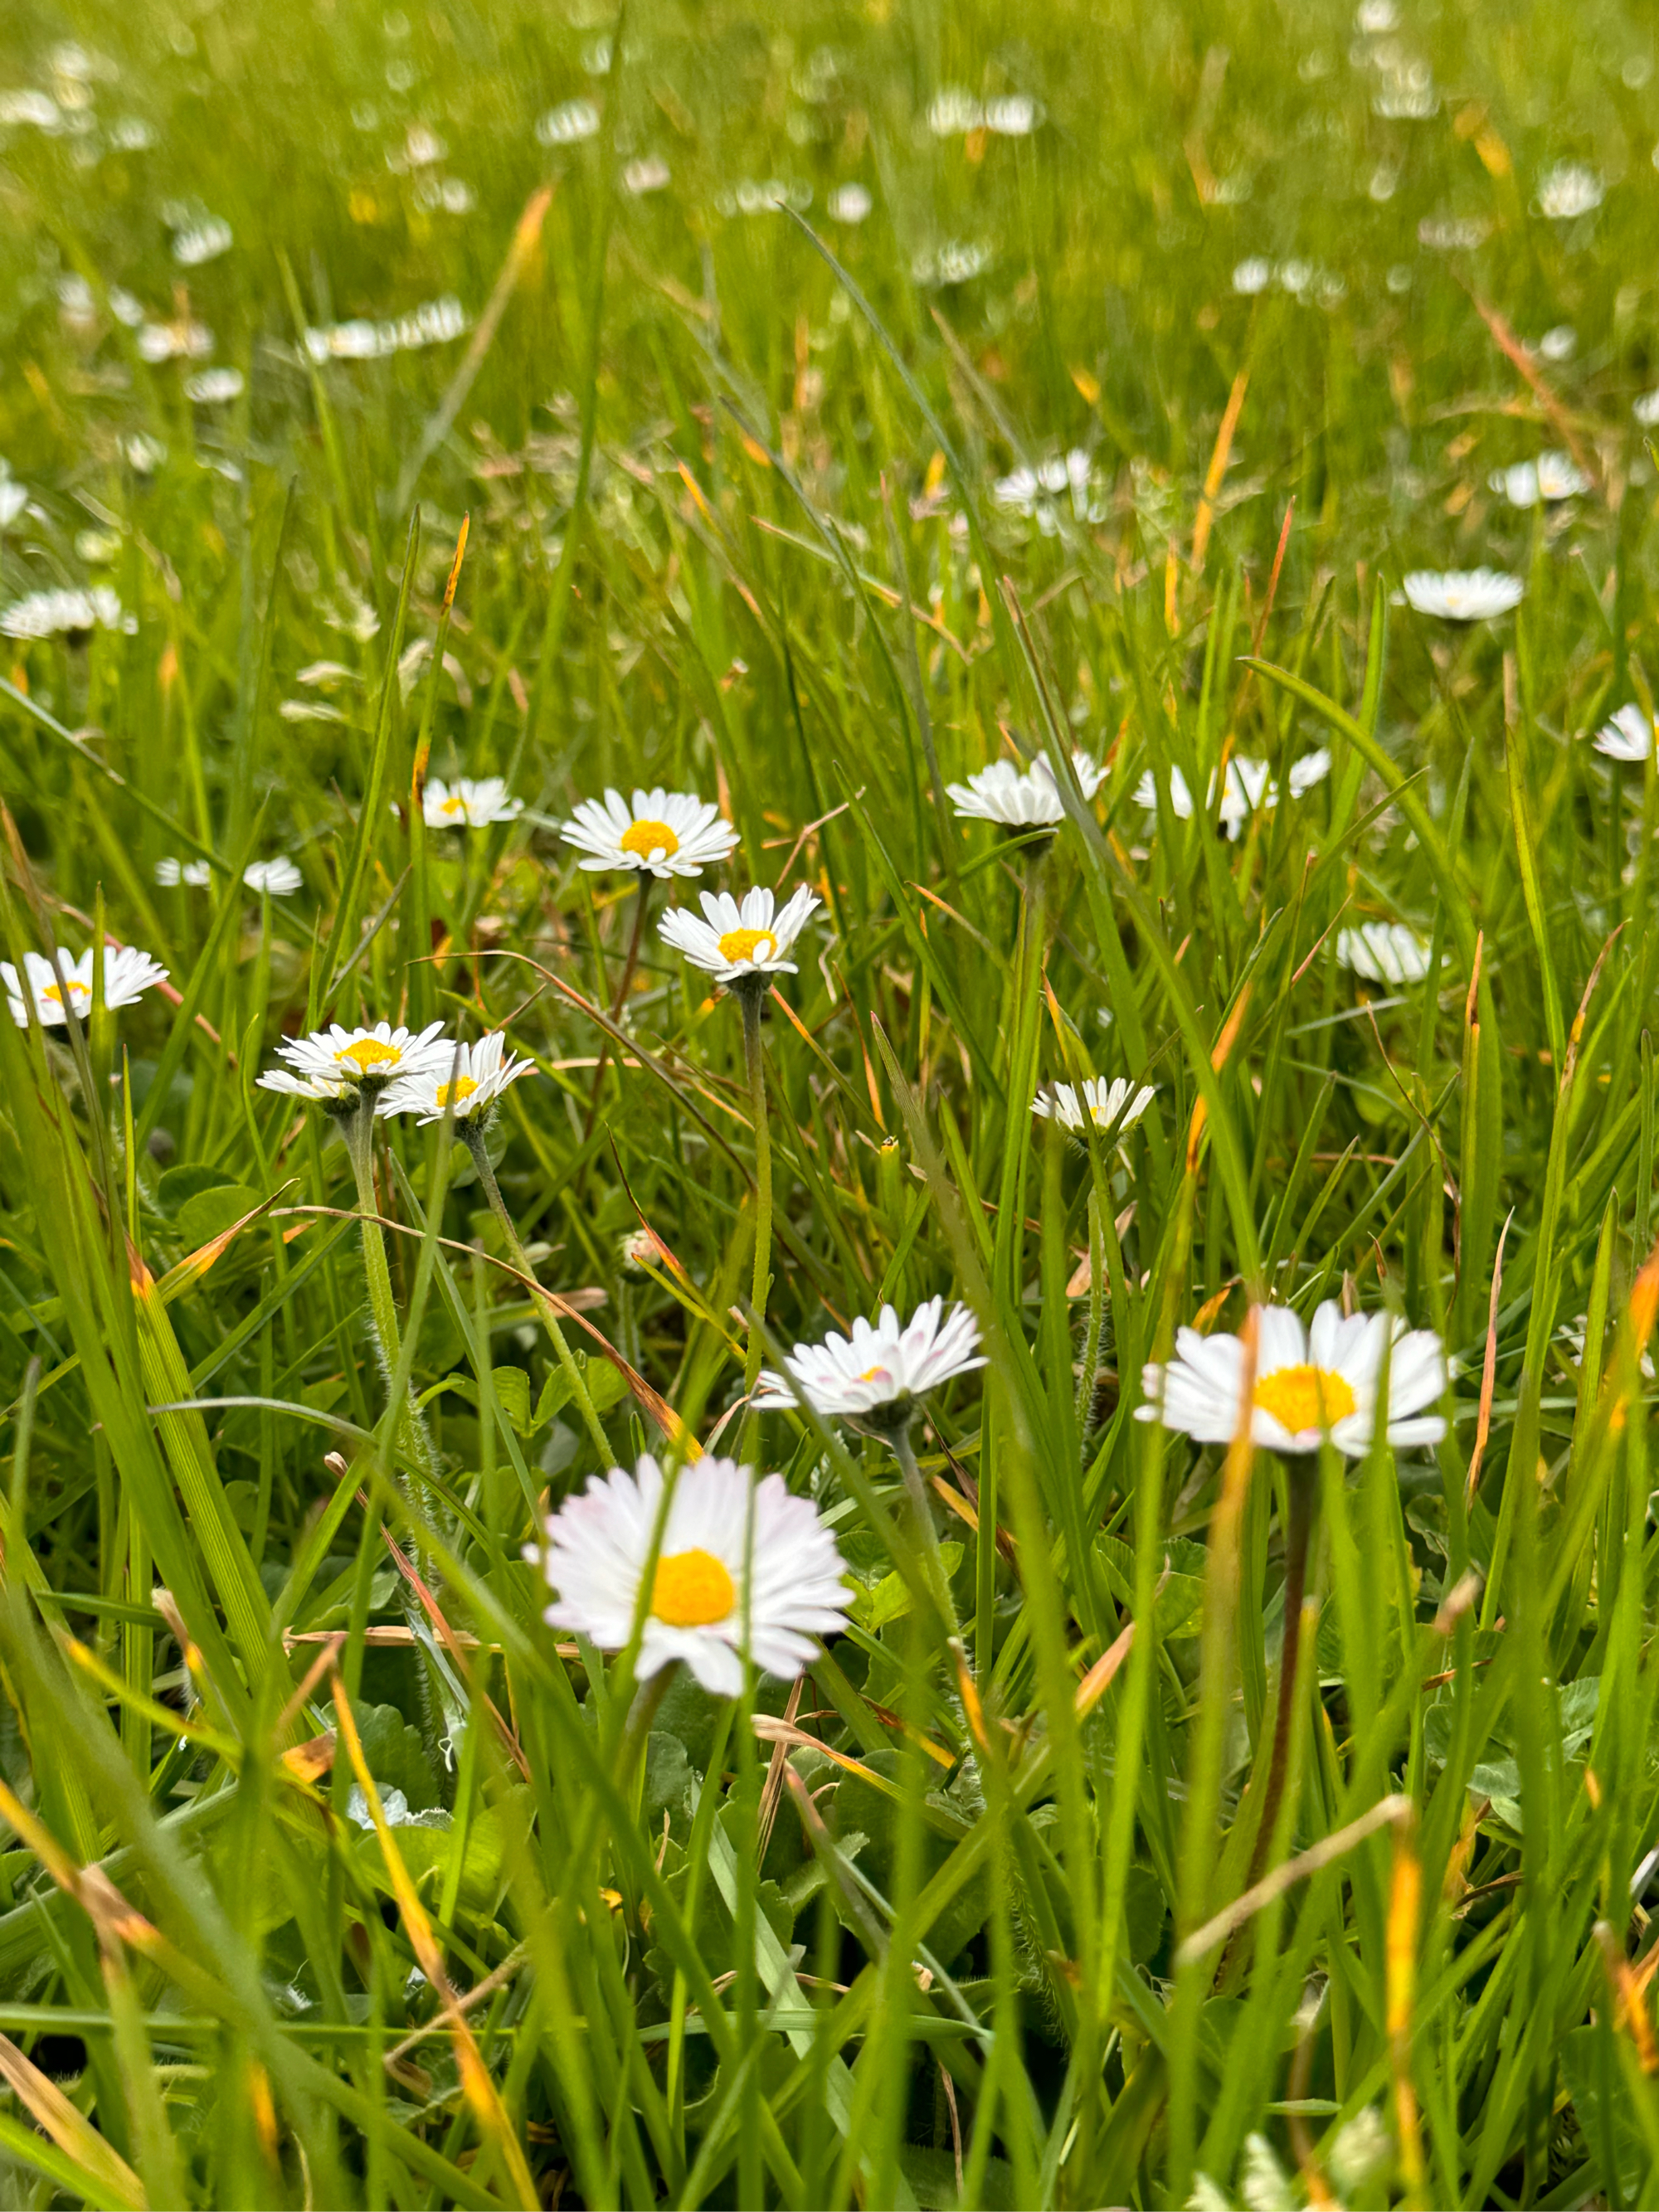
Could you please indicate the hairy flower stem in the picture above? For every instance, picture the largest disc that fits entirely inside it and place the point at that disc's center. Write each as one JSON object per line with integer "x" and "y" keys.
{"x": 750, "y": 996}
{"x": 358, "y": 1130}
{"x": 475, "y": 1138}
{"x": 1085, "y": 1385}
{"x": 414, "y": 1441}
{"x": 642, "y": 907}
{"x": 1300, "y": 1482}
{"x": 903, "y": 1451}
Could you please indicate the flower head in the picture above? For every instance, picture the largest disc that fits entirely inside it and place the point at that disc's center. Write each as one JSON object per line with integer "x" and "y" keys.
{"x": 1551, "y": 478}
{"x": 874, "y": 1378}
{"x": 1630, "y": 736}
{"x": 1248, "y": 787}
{"x": 735, "y": 1554}
{"x": 1569, "y": 189}
{"x": 1383, "y": 952}
{"x": 737, "y": 943}
{"x": 278, "y": 877}
{"x": 1114, "y": 1107}
{"x": 1309, "y": 1383}
{"x": 67, "y": 613}
{"x": 1462, "y": 595}
{"x": 170, "y": 870}
{"x": 337, "y": 1062}
{"x": 1028, "y": 799}
{"x": 468, "y": 803}
{"x": 128, "y": 974}
{"x": 669, "y": 833}
{"x": 465, "y": 1080}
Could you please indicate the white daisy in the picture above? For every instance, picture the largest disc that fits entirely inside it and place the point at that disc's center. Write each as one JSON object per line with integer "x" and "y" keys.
{"x": 374, "y": 1057}
{"x": 278, "y": 877}
{"x": 1308, "y": 1382}
{"x": 849, "y": 203}
{"x": 1114, "y": 1107}
{"x": 1022, "y": 800}
{"x": 324, "y": 1089}
{"x": 735, "y": 942}
{"x": 170, "y": 871}
{"x": 731, "y": 1546}
{"x": 1250, "y": 788}
{"x": 128, "y": 974}
{"x": 670, "y": 833}
{"x": 1311, "y": 768}
{"x": 201, "y": 241}
{"x": 1462, "y": 595}
{"x": 1569, "y": 189}
{"x": 468, "y": 803}
{"x": 1646, "y": 409}
{"x": 215, "y": 387}
{"x": 1383, "y": 952}
{"x": 1629, "y": 736}
{"x": 877, "y": 1376}
{"x": 1551, "y": 478}
{"x": 66, "y": 613}
{"x": 466, "y": 1082}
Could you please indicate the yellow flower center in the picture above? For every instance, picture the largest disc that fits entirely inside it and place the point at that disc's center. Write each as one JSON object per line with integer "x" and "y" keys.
{"x": 368, "y": 1054}
{"x": 870, "y": 1373}
{"x": 748, "y": 945}
{"x": 462, "y": 1088}
{"x": 1303, "y": 1398}
{"x": 78, "y": 991}
{"x": 692, "y": 1589}
{"x": 453, "y": 804}
{"x": 644, "y": 838}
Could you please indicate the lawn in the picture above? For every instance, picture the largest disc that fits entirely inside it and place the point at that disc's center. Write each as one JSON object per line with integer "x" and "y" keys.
{"x": 827, "y": 1160}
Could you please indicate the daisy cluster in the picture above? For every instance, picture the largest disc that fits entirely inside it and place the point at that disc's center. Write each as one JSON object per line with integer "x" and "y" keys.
{"x": 663, "y": 834}
{"x": 397, "y": 1070}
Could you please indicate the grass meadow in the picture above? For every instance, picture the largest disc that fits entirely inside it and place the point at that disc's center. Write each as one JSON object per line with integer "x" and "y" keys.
{"x": 1107, "y": 1766}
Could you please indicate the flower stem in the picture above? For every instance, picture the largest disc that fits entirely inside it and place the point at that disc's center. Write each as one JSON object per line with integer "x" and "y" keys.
{"x": 641, "y": 908}
{"x": 751, "y": 998}
{"x": 921, "y": 1508}
{"x": 1299, "y": 1528}
{"x": 474, "y": 1137}
{"x": 1085, "y": 1387}
{"x": 358, "y": 1130}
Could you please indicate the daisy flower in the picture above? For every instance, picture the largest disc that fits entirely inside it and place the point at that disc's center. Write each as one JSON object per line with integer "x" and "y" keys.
{"x": 666, "y": 833}
{"x": 731, "y": 1547}
{"x": 1250, "y": 787}
{"x": 875, "y": 1378}
{"x": 277, "y": 876}
{"x": 1383, "y": 952}
{"x": 128, "y": 974}
{"x": 740, "y": 944}
{"x": 1551, "y": 478}
{"x": 358, "y": 1058}
{"x": 1114, "y": 1107}
{"x": 466, "y": 1080}
{"x": 1022, "y": 800}
{"x": 468, "y": 803}
{"x": 1569, "y": 189}
{"x": 170, "y": 871}
{"x": 1462, "y": 595}
{"x": 1308, "y": 1381}
{"x": 1629, "y": 736}
{"x": 67, "y": 613}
